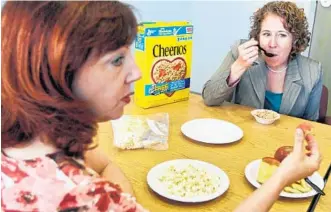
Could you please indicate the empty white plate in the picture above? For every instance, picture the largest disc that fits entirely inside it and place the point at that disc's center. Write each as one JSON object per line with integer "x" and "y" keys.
{"x": 213, "y": 131}
{"x": 165, "y": 182}
{"x": 252, "y": 169}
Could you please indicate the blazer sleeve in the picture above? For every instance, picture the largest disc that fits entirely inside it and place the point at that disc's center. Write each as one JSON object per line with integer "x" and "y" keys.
{"x": 216, "y": 90}
{"x": 313, "y": 105}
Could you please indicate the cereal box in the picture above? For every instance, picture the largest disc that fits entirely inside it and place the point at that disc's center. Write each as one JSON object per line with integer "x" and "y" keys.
{"x": 163, "y": 52}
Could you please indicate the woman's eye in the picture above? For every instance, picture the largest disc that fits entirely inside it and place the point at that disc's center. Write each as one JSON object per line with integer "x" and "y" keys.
{"x": 266, "y": 34}
{"x": 118, "y": 61}
{"x": 283, "y": 35}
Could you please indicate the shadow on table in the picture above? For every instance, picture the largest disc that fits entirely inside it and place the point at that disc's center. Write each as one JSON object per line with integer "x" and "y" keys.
{"x": 295, "y": 200}
{"x": 178, "y": 203}
{"x": 210, "y": 144}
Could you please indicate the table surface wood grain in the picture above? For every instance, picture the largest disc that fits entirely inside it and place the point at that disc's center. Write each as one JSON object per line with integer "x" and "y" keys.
{"x": 258, "y": 141}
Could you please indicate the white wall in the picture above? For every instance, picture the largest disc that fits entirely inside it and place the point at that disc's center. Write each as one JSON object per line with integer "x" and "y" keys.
{"x": 217, "y": 24}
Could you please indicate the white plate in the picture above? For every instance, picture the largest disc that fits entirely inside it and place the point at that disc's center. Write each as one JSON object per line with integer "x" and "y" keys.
{"x": 251, "y": 172}
{"x": 212, "y": 131}
{"x": 159, "y": 187}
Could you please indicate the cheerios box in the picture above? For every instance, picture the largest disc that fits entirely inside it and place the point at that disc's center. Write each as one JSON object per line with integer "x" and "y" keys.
{"x": 163, "y": 52}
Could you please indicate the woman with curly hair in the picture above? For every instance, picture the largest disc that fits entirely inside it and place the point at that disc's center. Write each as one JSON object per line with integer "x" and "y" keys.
{"x": 279, "y": 78}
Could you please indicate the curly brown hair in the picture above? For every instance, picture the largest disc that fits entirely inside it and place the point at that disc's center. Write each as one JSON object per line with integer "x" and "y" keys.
{"x": 43, "y": 45}
{"x": 295, "y": 22}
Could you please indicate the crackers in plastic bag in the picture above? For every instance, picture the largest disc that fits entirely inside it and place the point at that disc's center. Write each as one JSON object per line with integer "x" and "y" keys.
{"x": 141, "y": 131}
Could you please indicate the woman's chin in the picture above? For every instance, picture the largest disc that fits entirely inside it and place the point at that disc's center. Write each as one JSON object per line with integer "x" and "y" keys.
{"x": 112, "y": 116}
{"x": 114, "y": 113}
{"x": 272, "y": 61}
{"x": 116, "y": 116}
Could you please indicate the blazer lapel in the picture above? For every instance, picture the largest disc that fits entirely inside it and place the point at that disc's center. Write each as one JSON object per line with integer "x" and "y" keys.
{"x": 292, "y": 87}
{"x": 258, "y": 77}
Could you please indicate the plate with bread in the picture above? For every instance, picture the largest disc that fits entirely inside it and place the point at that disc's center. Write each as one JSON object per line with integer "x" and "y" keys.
{"x": 259, "y": 171}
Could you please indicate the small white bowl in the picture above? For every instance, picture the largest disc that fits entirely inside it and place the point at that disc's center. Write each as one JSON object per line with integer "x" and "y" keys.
{"x": 261, "y": 120}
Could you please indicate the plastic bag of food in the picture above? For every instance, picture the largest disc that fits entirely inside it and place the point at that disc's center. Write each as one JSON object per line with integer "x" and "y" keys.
{"x": 141, "y": 131}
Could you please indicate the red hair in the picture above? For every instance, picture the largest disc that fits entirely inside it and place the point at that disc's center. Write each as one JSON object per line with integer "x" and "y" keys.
{"x": 43, "y": 45}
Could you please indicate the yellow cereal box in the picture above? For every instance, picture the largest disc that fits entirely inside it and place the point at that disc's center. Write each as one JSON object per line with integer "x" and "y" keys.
{"x": 163, "y": 52}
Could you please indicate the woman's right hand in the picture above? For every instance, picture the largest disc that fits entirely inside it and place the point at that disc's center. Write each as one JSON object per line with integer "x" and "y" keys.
{"x": 248, "y": 53}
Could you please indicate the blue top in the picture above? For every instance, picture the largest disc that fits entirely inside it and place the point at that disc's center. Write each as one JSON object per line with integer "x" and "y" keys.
{"x": 273, "y": 101}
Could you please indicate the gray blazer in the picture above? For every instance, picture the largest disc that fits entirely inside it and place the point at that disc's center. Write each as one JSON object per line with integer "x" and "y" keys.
{"x": 302, "y": 91}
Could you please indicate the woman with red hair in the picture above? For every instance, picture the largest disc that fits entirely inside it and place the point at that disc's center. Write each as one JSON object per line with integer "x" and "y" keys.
{"x": 65, "y": 67}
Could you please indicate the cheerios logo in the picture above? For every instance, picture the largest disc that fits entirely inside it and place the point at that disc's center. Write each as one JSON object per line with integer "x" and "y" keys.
{"x": 159, "y": 51}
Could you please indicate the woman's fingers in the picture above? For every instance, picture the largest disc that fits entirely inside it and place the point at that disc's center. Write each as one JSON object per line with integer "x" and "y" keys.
{"x": 247, "y": 47}
{"x": 252, "y": 59}
{"x": 250, "y": 50}
{"x": 314, "y": 149}
{"x": 298, "y": 147}
{"x": 248, "y": 53}
{"x": 250, "y": 43}
{"x": 251, "y": 54}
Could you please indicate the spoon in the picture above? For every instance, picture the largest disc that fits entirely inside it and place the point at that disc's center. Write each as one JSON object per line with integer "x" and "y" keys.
{"x": 265, "y": 52}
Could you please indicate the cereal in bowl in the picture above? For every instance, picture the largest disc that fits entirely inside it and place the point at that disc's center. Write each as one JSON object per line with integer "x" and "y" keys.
{"x": 263, "y": 116}
{"x": 266, "y": 114}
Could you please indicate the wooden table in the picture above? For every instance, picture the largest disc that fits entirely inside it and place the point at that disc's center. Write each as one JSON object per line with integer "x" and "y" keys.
{"x": 258, "y": 141}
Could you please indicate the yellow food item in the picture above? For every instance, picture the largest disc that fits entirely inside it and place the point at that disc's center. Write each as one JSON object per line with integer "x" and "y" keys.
{"x": 302, "y": 186}
{"x": 265, "y": 171}
{"x": 291, "y": 190}
{"x": 305, "y": 185}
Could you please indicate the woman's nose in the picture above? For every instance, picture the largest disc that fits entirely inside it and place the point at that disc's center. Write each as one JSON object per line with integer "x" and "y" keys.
{"x": 135, "y": 73}
{"x": 273, "y": 41}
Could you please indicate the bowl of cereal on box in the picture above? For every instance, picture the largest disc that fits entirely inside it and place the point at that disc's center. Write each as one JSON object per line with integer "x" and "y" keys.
{"x": 264, "y": 116}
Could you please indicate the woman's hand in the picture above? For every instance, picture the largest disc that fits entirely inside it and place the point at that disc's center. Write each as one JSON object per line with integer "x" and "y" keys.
{"x": 298, "y": 165}
{"x": 248, "y": 53}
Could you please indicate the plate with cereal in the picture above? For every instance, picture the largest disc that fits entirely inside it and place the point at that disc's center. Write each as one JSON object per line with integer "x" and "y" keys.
{"x": 187, "y": 180}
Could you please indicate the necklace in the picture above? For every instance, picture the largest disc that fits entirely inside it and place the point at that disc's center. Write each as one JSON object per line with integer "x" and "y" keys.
{"x": 280, "y": 71}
